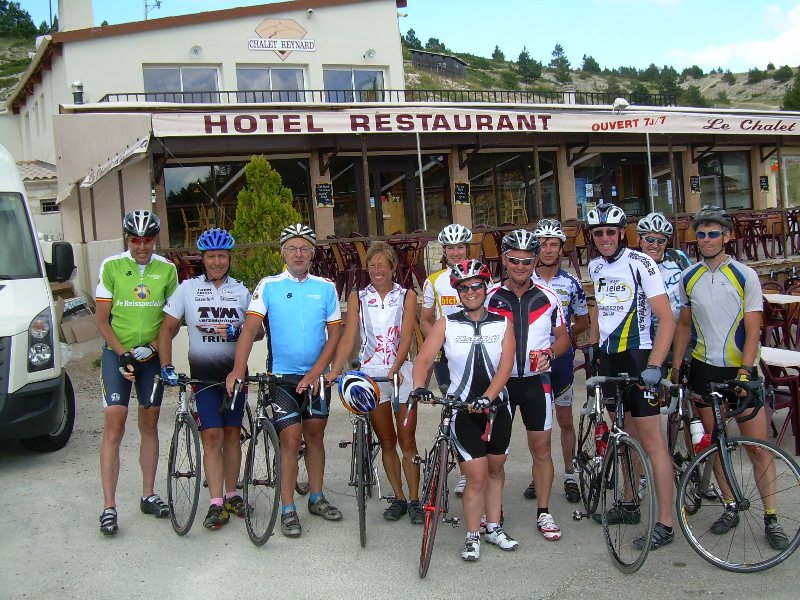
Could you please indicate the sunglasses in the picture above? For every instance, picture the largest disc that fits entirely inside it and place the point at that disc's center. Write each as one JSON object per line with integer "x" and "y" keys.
{"x": 712, "y": 235}
{"x": 136, "y": 241}
{"x": 652, "y": 240}
{"x": 598, "y": 233}
{"x": 464, "y": 287}
{"x": 520, "y": 261}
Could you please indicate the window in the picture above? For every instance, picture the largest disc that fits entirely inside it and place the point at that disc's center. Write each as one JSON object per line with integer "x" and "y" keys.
{"x": 49, "y": 206}
{"x": 181, "y": 84}
{"x": 260, "y": 84}
{"x": 353, "y": 85}
{"x": 725, "y": 180}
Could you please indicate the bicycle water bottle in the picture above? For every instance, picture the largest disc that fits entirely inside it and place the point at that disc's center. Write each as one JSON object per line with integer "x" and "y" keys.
{"x": 601, "y": 438}
{"x": 700, "y": 439}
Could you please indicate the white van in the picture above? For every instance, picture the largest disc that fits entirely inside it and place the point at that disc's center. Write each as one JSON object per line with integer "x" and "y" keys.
{"x": 37, "y": 402}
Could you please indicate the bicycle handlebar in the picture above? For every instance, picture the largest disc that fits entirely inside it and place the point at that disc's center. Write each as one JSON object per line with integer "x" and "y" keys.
{"x": 395, "y": 381}
{"x": 754, "y": 397}
{"x": 675, "y": 390}
{"x": 270, "y": 380}
{"x": 457, "y": 404}
{"x": 183, "y": 380}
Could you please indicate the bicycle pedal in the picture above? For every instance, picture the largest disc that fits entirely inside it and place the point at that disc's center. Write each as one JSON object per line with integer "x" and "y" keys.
{"x": 579, "y": 516}
{"x": 453, "y": 521}
{"x": 344, "y": 444}
{"x": 417, "y": 460}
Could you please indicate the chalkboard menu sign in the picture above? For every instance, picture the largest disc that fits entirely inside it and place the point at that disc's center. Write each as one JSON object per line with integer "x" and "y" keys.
{"x": 694, "y": 184}
{"x": 763, "y": 183}
{"x": 323, "y": 194}
{"x": 461, "y": 194}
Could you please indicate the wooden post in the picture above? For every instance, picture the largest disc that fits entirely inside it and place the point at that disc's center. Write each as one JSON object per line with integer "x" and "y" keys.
{"x": 363, "y": 212}
{"x": 538, "y": 176}
{"x": 80, "y": 213}
{"x": 121, "y": 195}
{"x": 94, "y": 217}
{"x": 781, "y": 175}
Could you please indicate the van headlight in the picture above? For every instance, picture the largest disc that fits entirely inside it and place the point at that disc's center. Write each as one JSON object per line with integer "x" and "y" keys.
{"x": 40, "y": 342}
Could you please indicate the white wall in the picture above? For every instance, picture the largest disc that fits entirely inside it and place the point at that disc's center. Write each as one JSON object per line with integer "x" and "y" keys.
{"x": 10, "y": 135}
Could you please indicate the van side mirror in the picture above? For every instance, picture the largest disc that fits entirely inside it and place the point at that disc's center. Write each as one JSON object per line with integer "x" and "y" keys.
{"x": 63, "y": 264}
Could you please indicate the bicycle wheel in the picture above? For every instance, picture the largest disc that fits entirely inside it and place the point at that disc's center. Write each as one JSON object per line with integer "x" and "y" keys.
{"x": 433, "y": 501}
{"x": 302, "y": 486}
{"x": 628, "y": 503}
{"x": 743, "y": 548}
{"x": 244, "y": 440}
{"x": 360, "y": 457}
{"x": 681, "y": 450}
{"x": 183, "y": 474}
{"x": 588, "y": 464}
{"x": 262, "y": 482}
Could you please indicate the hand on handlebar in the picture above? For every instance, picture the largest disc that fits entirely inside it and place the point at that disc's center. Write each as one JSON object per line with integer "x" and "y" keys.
{"x": 308, "y": 381}
{"x": 168, "y": 375}
{"x": 230, "y": 381}
{"x": 651, "y": 376}
{"x": 423, "y": 395}
{"x": 479, "y": 405}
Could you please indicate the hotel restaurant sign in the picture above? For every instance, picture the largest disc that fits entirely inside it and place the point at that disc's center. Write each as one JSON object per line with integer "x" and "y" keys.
{"x": 445, "y": 120}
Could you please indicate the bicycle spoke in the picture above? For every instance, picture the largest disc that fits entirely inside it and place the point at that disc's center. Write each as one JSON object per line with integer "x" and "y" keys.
{"x": 183, "y": 474}
{"x": 262, "y": 482}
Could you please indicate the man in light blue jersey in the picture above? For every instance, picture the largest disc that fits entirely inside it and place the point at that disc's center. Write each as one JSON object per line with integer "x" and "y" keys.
{"x": 302, "y": 318}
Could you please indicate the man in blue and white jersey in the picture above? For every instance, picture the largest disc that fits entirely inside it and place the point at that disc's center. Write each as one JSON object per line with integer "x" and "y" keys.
{"x": 302, "y": 318}
{"x": 568, "y": 289}
{"x": 214, "y": 306}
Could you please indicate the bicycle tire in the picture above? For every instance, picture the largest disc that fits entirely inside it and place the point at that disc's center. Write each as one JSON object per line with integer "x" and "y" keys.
{"x": 184, "y": 474}
{"x": 624, "y": 463}
{"x": 588, "y": 464}
{"x": 359, "y": 455}
{"x": 742, "y": 549}
{"x": 245, "y": 433}
{"x": 302, "y": 486}
{"x": 433, "y": 501}
{"x": 262, "y": 487}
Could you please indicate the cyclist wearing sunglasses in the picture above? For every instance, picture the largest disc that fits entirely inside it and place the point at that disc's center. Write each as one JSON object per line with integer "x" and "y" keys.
{"x": 214, "y": 307}
{"x": 302, "y": 318}
{"x": 721, "y": 313}
{"x": 568, "y": 289}
{"x": 480, "y": 350}
{"x": 654, "y": 232}
{"x": 132, "y": 289}
{"x": 535, "y": 312}
{"x": 629, "y": 291}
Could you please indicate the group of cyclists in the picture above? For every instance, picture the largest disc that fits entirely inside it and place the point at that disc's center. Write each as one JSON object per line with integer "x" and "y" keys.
{"x": 507, "y": 344}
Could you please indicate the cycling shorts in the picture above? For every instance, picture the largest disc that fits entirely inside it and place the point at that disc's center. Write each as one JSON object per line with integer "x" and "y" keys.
{"x": 561, "y": 379}
{"x": 287, "y": 402}
{"x": 701, "y": 374}
{"x": 534, "y": 397}
{"x": 116, "y": 390}
{"x": 209, "y": 399}
{"x": 468, "y": 428}
{"x": 387, "y": 389}
{"x": 632, "y": 362}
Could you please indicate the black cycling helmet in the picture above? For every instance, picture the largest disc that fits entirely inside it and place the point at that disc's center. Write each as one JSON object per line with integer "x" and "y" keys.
{"x": 141, "y": 223}
{"x": 712, "y": 214}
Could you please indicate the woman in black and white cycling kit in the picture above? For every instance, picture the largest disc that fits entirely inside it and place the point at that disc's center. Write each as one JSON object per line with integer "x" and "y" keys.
{"x": 480, "y": 350}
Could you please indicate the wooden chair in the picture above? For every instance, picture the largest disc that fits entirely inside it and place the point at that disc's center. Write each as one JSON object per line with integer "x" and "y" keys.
{"x": 775, "y": 232}
{"x": 783, "y": 391}
{"x": 192, "y": 228}
{"x": 476, "y": 246}
{"x": 630, "y": 235}
{"x": 570, "y": 249}
{"x": 491, "y": 252}
{"x": 793, "y": 229}
{"x": 345, "y": 275}
{"x": 362, "y": 273}
{"x": 207, "y": 217}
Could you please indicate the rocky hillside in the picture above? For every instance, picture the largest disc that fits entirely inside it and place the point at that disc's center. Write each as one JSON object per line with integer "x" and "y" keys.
{"x": 15, "y": 55}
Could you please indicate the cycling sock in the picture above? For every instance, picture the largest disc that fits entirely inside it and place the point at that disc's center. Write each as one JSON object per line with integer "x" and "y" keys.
{"x": 541, "y": 510}
{"x": 285, "y": 508}
{"x": 314, "y": 497}
{"x": 667, "y": 529}
{"x": 490, "y": 527}
{"x": 770, "y": 515}
{"x": 569, "y": 476}
{"x": 217, "y": 501}
{"x": 229, "y": 495}
{"x": 474, "y": 535}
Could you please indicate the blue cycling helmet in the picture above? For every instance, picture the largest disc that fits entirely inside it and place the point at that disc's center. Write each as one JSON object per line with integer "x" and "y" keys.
{"x": 215, "y": 239}
{"x": 358, "y": 392}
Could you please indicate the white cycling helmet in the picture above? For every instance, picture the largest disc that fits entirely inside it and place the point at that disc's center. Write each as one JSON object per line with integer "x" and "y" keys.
{"x": 654, "y": 223}
{"x": 298, "y": 230}
{"x": 547, "y": 228}
{"x": 520, "y": 239}
{"x": 141, "y": 223}
{"x": 606, "y": 214}
{"x": 358, "y": 392}
{"x": 455, "y": 234}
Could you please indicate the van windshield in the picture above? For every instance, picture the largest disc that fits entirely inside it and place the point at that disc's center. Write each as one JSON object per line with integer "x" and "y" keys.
{"x": 18, "y": 259}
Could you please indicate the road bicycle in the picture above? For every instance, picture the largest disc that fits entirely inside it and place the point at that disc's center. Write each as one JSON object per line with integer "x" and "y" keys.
{"x": 615, "y": 472}
{"x": 364, "y": 450}
{"x": 743, "y": 488}
{"x": 184, "y": 468}
{"x": 438, "y": 462}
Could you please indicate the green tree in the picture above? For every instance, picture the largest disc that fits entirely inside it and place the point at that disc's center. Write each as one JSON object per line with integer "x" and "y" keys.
{"x": 668, "y": 81}
{"x": 722, "y": 97}
{"x": 651, "y": 73}
{"x": 755, "y": 75}
{"x": 509, "y": 80}
{"x": 693, "y": 71}
{"x": 729, "y": 77}
{"x": 613, "y": 88}
{"x": 590, "y": 65}
{"x": 263, "y": 209}
{"x": 770, "y": 66}
{"x": 104, "y": 23}
{"x": 434, "y": 45}
{"x": 498, "y": 55}
{"x": 639, "y": 94}
{"x": 785, "y": 73}
{"x": 692, "y": 96}
{"x": 529, "y": 70}
{"x": 412, "y": 41}
{"x": 791, "y": 100}
{"x": 15, "y": 21}
{"x": 561, "y": 64}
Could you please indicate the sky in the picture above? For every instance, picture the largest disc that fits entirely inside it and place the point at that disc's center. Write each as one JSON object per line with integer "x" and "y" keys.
{"x": 732, "y": 34}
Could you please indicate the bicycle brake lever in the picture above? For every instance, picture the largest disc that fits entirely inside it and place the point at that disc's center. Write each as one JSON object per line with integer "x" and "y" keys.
{"x": 410, "y": 405}
{"x": 156, "y": 381}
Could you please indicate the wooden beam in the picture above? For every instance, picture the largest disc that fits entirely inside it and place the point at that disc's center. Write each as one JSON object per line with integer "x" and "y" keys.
{"x": 463, "y": 161}
{"x": 80, "y": 212}
{"x": 94, "y": 216}
{"x": 325, "y": 165}
{"x": 571, "y": 158}
{"x": 762, "y": 147}
{"x": 703, "y": 153}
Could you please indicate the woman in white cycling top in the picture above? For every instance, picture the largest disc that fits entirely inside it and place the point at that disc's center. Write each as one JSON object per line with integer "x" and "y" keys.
{"x": 383, "y": 314}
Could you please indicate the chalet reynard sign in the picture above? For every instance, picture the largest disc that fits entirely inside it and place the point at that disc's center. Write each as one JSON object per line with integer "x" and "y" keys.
{"x": 281, "y": 36}
{"x": 417, "y": 119}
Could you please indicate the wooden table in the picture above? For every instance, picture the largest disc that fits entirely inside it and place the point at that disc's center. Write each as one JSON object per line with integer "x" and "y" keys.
{"x": 781, "y": 298}
{"x": 785, "y": 359}
{"x": 780, "y": 357}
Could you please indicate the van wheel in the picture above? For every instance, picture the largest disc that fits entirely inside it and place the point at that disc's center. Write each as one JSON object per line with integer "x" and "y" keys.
{"x": 58, "y": 438}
